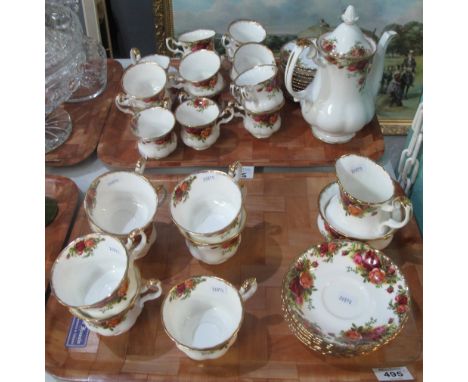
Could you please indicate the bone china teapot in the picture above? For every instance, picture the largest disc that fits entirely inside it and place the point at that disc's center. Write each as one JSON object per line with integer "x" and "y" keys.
{"x": 341, "y": 99}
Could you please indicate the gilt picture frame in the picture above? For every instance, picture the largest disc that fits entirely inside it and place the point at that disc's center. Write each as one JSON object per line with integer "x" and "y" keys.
{"x": 285, "y": 20}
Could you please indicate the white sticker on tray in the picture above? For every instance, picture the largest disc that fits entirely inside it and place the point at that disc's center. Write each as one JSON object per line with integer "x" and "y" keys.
{"x": 247, "y": 172}
{"x": 393, "y": 374}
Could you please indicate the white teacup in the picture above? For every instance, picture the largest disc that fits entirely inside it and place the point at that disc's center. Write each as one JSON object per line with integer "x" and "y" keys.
{"x": 191, "y": 42}
{"x": 220, "y": 252}
{"x": 203, "y": 315}
{"x": 123, "y": 204}
{"x": 115, "y": 324}
{"x": 207, "y": 206}
{"x": 162, "y": 61}
{"x": 241, "y": 32}
{"x": 261, "y": 125}
{"x": 199, "y": 74}
{"x": 200, "y": 119}
{"x": 257, "y": 90}
{"x": 154, "y": 128}
{"x": 252, "y": 54}
{"x": 90, "y": 271}
{"x": 144, "y": 85}
{"x": 367, "y": 198}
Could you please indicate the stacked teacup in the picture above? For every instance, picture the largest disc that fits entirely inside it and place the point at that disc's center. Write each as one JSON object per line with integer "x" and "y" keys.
{"x": 254, "y": 86}
{"x": 95, "y": 278}
{"x": 208, "y": 209}
{"x": 362, "y": 204}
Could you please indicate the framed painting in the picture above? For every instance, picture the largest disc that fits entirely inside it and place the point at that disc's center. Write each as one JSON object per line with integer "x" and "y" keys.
{"x": 285, "y": 20}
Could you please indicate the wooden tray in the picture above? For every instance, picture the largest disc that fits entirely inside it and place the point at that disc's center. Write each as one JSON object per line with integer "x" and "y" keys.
{"x": 281, "y": 223}
{"x": 65, "y": 192}
{"x": 88, "y": 119}
{"x": 292, "y": 146}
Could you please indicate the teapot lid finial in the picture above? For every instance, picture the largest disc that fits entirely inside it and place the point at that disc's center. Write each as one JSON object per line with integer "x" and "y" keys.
{"x": 350, "y": 16}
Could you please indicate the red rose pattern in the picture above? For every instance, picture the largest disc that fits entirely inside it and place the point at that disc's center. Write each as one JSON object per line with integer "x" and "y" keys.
{"x": 84, "y": 248}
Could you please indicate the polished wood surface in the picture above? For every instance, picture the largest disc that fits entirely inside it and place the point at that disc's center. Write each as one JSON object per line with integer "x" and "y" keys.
{"x": 293, "y": 145}
{"x": 281, "y": 224}
{"x": 65, "y": 192}
{"x": 88, "y": 119}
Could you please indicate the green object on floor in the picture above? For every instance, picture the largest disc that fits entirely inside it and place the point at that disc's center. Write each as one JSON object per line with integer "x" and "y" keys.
{"x": 51, "y": 210}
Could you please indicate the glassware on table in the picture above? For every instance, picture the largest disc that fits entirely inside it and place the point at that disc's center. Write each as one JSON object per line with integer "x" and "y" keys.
{"x": 64, "y": 58}
{"x": 94, "y": 78}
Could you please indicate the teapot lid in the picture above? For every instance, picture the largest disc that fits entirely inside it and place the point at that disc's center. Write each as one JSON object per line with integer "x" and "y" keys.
{"x": 347, "y": 40}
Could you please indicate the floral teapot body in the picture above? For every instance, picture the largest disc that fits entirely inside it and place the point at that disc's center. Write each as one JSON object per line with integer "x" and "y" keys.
{"x": 340, "y": 101}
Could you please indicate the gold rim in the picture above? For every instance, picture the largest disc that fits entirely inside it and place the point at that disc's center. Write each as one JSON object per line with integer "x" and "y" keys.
{"x": 105, "y": 300}
{"x": 248, "y": 21}
{"x": 241, "y": 228}
{"x": 136, "y": 117}
{"x": 212, "y": 52}
{"x": 163, "y": 87}
{"x": 385, "y": 237}
{"x": 246, "y": 44}
{"x": 209, "y": 234}
{"x": 120, "y": 235}
{"x": 355, "y": 199}
{"x": 215, "y": 347}
{"x": 331, "y": 346}
{"x": 210, "y": 101}
{"x": 200, "y": 39}
{"x": 259, "y": 83}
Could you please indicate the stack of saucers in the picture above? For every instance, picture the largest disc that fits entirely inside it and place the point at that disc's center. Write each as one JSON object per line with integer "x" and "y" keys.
{"x": 208, "y": 209}
{"x": 343, "y": 298}
{"x": 305, "y": 69}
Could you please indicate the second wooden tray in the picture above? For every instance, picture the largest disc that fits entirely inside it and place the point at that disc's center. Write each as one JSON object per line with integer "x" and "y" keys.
{"x": 281, "y": 224}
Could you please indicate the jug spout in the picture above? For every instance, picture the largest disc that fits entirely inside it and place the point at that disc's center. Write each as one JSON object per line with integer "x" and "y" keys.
{"x": 375, "y": 75}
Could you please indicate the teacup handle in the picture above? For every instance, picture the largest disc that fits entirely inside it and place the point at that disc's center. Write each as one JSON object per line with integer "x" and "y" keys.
{"x": 176, "y": 47}
{"x": 248, "y": 288}
{"x": 135, "y": 55}
{"x": 130, "y": 245}
{"x": 400, "y": 201}
{"x": 226, "y": 115}
{"x": 175, "y": 81}
{"x": 140, "y": 166}
{"x": 235, "y": 171}
{"x": 236, "y": 93}
{"x": 183, "y": 96}
{"x": 161, "y": 190}
{"x": 123, "y": 103}
{"x": 151, "y": 290}
{"x": 239, "y": 111}
{"x": 225, "y": 41}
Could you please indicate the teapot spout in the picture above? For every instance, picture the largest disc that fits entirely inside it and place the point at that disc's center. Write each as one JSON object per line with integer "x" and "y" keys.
{"x": 375, "y": 75}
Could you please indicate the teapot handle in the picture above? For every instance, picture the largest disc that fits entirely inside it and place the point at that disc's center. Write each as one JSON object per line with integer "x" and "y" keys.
{"x": 291, "y": 64}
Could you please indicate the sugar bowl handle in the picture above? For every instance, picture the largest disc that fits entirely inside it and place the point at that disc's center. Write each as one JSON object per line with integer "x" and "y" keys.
{"x": 248, "y": 288}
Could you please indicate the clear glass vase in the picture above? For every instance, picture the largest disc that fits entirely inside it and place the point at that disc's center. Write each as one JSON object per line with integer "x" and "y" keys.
{"x": 64, "y": 59}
